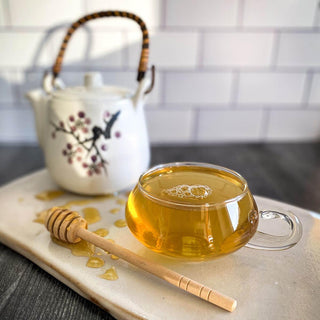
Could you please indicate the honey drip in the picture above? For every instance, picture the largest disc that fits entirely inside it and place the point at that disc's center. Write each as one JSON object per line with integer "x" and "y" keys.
{"x": 113, "y": 257}
{"x": 110, "y": 274}
{"x": 41, "y": 216}
{"x": 121, "y": 201}
{"x": 120, "y": 223}
{"x": 95, "y": 262}
{"x": 114, "y": 210}
{"x": 92, "y": 215}
{"x": 49, "y": 195}
{"x": 80, "y": 249}
{"x": 102, "y": 232}
{"x": 84, "y": 202}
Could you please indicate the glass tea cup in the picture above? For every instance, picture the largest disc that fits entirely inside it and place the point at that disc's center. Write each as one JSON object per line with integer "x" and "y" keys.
{"x": 200, "y": 211}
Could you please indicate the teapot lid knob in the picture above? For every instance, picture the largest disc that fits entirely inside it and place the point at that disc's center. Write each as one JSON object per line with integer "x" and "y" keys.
{"x": 93, "y": 80}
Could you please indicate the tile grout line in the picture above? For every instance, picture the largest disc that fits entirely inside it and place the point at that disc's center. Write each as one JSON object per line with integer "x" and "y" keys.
{"x": 195, "y": 128}
{"x": 207, "y": 69}
{"x": 240, "y": 13}
{"x": 85, "y": 6}
{"x": 228, "y": 107}
{"x": 125, "y": 54}
{"x": 234, "y": 94}
{"x": 265, "y": 125}
{"x": 163, "y": 12}
{"x": 182, "y": 29}
{"x": 200, "y": 52}
{"x": 15, "y": 90}
{"x": 184, "y": 106}
{"x": 239, "y": 29}
{"x": 306, "y": 92}
{"x": 15, "y": 107}
{"x": 316, "y": 17}
{"x": 163, "y": 90}
{"x": 275, "y": 50}
{"x": 8, "y": 17}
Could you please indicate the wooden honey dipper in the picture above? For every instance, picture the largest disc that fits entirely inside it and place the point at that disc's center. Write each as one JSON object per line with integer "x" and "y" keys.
{"x": 69, "y": 226}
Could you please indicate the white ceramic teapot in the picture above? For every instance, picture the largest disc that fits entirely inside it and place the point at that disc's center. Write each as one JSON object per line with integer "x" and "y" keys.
{"x": 94, "y": 137}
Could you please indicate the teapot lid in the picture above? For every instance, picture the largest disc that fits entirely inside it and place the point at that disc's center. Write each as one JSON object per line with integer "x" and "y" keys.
{"x": 93, "y": 89}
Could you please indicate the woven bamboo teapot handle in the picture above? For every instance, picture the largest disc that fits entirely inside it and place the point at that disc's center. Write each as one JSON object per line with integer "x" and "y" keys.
{"x": 144, "y": 56}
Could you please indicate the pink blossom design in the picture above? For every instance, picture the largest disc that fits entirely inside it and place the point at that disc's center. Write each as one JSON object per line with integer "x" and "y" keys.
{"x": 85, "y": 139}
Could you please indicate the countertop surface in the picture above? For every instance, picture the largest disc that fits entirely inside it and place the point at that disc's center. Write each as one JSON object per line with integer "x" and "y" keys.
{"x": 285, "y": 172}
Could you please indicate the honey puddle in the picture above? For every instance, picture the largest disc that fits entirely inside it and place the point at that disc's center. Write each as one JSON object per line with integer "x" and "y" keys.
{"x": 95, "y": 262}
{"x": 41, "y": 217}
{"x": 84, "y": 202}
{"x": 110, "y": 274}
{"x": 92, "y": 215}
{"x": 102, "y": 232}
{"x": 121, "y": 201}
{"x": 49, "y": 195}
{"x": 120, "y": 223}
{"x": 80, "y": 249}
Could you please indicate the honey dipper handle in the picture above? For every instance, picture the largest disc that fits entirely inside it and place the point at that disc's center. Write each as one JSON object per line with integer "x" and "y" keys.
{"x": 168, "y": 275}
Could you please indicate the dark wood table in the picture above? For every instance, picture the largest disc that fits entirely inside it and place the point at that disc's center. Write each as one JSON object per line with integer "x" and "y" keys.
{"x": 286, "y": 172}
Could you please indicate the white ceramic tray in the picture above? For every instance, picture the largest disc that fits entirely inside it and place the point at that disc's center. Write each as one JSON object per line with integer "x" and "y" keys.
{"x": 267, "y": 284}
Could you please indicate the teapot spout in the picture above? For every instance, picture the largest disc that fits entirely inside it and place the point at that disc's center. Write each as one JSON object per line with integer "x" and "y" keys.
{"x": 38, "y": 99}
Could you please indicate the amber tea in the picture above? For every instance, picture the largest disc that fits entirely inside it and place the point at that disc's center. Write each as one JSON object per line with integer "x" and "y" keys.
{"x": 192, "y": 210}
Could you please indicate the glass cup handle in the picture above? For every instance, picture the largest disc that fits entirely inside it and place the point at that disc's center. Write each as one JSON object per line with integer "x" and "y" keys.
{"x": 265, "y": 241}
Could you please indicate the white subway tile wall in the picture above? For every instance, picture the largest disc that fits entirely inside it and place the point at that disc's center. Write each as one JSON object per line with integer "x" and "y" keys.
{"x": 230, "y": 125}
{"x": 315, "y": 91}
{"x": 203, "y": 13}
{"x": 282, "y": 13}
{"x": 271, "y": 88}
{"x": 39, "y": 13}
{"x": 198, "y": 88}
{"x": 299, "y": 49}
{"x": 23, "y": 49}
{"x": 21, "y": 120}
{"x": 174, "y": 50}
{"x": 235, "y": 70}
{"x": 296, "y": 125}
{"x": 170, "y": 125}
{"x": 90, "y": 49}
{"x": 237, "y": 49}
{"x": 149, "y": 10}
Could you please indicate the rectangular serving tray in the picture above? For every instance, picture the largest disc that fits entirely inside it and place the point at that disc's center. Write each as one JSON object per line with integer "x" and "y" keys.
{"x": 267, "y": 284}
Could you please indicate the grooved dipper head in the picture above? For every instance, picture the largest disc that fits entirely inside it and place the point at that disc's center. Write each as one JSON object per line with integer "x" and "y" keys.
{"x": 63, "y": 224}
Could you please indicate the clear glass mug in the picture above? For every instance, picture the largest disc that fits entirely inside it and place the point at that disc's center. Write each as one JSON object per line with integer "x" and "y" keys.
{"x": 200, "y": 211}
